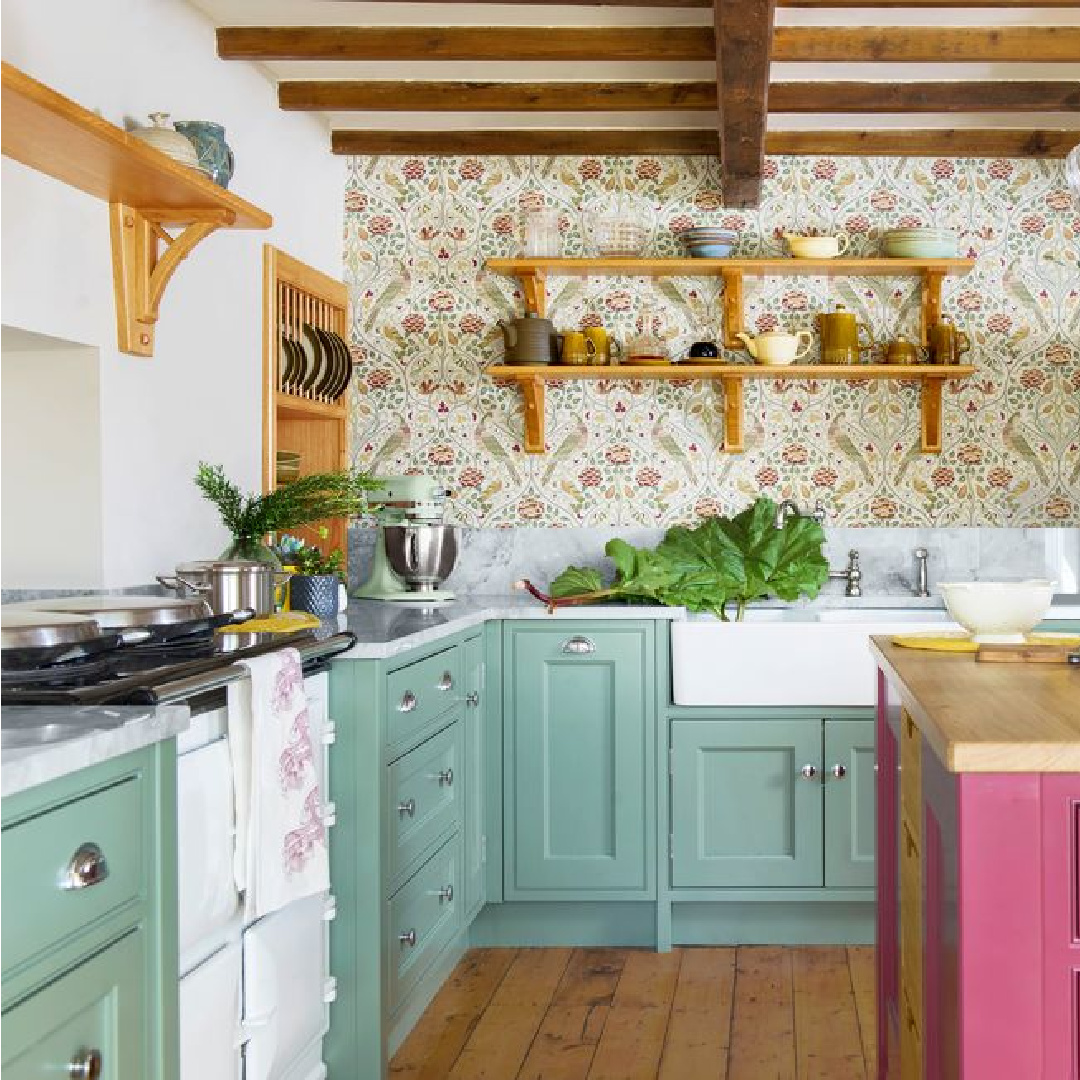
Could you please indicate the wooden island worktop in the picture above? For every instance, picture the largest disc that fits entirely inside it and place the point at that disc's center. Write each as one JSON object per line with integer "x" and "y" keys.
{"x": 978, "y": 867}
{"x": 1011, "y": 718}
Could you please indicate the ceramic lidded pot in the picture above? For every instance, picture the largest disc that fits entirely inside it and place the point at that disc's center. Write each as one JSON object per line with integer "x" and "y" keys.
{"x": 215, "y": 155}
{"x": 840, "y": 336}
{"x": 947, "y": 344}
{"x": 163, "y": 136}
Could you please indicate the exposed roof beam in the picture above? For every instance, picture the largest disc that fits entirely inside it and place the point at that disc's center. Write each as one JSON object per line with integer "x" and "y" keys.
{"x": 788, "y": 3}
{"x": 744, "y": 31}
{"x": 800, "y": 97}
{"x": 657, "y": 142}
{"x": 924, "y": 44}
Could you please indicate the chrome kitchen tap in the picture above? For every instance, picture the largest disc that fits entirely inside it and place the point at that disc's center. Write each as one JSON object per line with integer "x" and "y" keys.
{"x": 789, "y": 508}
{"x": 852, "y": 574}
{"x": 922, "y": 581}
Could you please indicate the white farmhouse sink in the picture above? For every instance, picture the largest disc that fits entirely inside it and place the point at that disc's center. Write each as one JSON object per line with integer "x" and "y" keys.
{"x": 808, "y": 658}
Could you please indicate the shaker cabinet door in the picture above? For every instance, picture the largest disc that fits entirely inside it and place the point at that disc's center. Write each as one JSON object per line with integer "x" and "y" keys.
{"x": 850, "y": 835}
{"x": 746, "y": 803}
{"x": 579, "y": 716}
{"x": 90, "y": 1022}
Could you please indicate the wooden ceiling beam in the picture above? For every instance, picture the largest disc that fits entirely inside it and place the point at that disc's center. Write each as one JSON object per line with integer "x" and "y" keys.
{"x": 744, "y": 32}
{"x": 798, "y": 97}
{"x": 932, "y": 142}
{"x": 1064, "y": 4}
{"x": 928, "y": 44}
{"x": 457, "y": 96}
{"x": 922, "y": 97}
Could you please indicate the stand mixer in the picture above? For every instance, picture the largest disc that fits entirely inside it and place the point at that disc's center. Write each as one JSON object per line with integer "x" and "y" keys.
{"x": 414, "y": 550}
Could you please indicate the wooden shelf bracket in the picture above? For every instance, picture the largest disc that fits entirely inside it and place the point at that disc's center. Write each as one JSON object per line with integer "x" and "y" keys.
{"x": 532, "y": 391}
{"x": 534, "y": 286}
{"x": 734, "y": 314}
{"x": 145, "y": 257}
{"x": 930, "y": 409}
{"x": 931, "y": 303}
{"x": 734, "y": 440}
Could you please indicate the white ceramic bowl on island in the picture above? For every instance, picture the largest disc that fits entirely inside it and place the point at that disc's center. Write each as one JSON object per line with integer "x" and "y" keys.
{"x": 998, "y": 611}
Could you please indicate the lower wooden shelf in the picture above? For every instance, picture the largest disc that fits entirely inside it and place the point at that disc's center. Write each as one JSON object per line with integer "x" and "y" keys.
{"x": 533, "y": 378}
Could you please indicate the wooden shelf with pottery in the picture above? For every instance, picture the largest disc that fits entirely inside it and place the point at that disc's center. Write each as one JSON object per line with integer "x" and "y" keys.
{"x": 533, "y": 274}
{"x": 532, "y": 380}
{"x": 148, "y": 193}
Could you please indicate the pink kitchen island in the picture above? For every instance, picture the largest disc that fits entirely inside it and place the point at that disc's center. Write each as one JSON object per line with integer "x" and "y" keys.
{"x": 978, "y": 872}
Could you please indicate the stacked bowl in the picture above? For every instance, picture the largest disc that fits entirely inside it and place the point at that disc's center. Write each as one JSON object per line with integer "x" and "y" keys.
{"x": 920, "y": 243}
{"x": 708, "y": 242}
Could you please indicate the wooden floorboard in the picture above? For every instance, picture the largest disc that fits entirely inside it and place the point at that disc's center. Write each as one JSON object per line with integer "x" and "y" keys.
{"x": 747, "y": 1013}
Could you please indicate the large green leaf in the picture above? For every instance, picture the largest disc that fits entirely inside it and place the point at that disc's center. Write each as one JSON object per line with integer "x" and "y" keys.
{"x": 576, "y": 581}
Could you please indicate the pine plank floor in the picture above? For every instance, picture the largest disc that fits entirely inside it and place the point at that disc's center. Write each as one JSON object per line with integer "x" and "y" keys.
{"x": 749, "y": 1013}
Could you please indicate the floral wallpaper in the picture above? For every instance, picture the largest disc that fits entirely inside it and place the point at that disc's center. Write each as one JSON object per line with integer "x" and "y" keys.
{"x": 425, "y": 324}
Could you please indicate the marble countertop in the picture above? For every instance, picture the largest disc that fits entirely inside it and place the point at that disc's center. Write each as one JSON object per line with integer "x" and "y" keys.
{"x": 90, "y": 735}
{"x": 385, "y": 629}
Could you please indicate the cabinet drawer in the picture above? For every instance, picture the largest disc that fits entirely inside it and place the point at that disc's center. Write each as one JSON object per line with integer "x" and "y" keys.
{"x": 420, "y": 693}
{"x": 911, "y": 769}
{"x": 422, "y": 918}
{"x": 95, "y": 1013}
{"x": 71, "y": 866}
{"x": 424, "y": 796}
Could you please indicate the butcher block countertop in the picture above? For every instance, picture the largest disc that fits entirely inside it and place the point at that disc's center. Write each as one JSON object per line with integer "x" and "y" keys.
{"x": 988, "y": 717}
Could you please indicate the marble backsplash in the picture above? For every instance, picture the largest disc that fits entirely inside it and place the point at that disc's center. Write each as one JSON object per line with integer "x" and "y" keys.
{"x": 491, "y": 560}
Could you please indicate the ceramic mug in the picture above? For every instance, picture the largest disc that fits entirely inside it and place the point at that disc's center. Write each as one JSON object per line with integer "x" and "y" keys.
{"x": 576, "y": 348}
{"x": 704, "y": 350}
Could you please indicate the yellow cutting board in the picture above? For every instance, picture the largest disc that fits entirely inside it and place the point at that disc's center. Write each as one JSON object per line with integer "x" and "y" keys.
{"x": 962, "y": 643}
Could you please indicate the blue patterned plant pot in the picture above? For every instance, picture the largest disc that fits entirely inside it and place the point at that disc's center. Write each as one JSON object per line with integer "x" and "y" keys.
{"x": 215, "y": 156}
{"x": 317, "y": 593}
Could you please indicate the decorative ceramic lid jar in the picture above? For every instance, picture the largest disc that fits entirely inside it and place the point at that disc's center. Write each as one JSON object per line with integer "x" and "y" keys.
{"x": 161, "y": 135}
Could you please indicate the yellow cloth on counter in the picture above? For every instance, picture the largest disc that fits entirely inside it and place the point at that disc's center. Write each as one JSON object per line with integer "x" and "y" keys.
{"x": 962, "y": 643}
{"x": 284, "y": 622}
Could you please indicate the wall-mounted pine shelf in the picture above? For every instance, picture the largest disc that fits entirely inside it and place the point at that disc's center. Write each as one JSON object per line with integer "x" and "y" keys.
{"x": 534, "y": 273}
{"x": 532, "y": 379}
{"x": 149, "y": 194}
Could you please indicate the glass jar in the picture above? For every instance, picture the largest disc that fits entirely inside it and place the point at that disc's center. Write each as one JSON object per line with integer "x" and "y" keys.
{"x": 540, "y": 237}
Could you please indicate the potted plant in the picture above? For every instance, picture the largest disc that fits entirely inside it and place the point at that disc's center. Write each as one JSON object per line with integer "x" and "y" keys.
{"x": 250, "y": 518}
{"x": 316, "y": 577}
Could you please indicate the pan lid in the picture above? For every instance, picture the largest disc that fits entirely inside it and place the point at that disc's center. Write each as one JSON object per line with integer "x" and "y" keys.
{"x": 27, "y": 628}
{"x": 118, "y": 612}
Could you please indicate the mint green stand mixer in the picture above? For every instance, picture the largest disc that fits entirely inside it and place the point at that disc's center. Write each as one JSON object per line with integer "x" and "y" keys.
{"x": 414, "y": 550}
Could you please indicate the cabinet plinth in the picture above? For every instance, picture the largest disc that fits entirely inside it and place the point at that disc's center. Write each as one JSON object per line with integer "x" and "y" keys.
{"x": 532, "y": 379}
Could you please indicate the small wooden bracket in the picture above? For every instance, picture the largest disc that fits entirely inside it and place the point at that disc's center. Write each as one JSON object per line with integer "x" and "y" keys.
{"x": 733, "y": 416}
{"x": 930, "y": 405}
{"x": 145, "y": 257}
{"x": 931, "y": 303}
{"x": 534, "y": 285}
{"x": 532, "y": 391}
{"x": 733, "y": 308}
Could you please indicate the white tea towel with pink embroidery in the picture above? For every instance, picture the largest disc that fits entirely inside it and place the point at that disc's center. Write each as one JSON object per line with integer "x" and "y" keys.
{"x": 281, "y": 847}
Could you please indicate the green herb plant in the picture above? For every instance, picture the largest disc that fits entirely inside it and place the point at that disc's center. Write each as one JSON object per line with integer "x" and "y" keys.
{"x": 309, "y": 559}
{"x": 302, "y": 502}
{"x": 722, "y": 561}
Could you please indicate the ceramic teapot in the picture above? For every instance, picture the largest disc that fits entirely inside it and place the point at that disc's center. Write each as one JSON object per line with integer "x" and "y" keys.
{"x": 776, "y": 347}
{"x": 530, "y": 340}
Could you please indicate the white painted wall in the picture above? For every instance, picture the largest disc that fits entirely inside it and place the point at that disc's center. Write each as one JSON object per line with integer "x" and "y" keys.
{"x": 199, "y": 396}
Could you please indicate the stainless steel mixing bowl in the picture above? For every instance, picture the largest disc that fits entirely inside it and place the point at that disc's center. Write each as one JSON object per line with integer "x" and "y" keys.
{"x": 421, "y": 555}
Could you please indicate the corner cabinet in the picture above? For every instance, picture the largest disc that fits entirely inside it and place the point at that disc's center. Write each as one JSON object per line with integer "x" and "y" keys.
{"x": 578, "y": 760}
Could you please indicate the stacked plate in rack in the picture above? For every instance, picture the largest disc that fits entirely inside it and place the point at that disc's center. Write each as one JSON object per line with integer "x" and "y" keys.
{"x": 920, "y": 243}
{"x": 315, "y": 365}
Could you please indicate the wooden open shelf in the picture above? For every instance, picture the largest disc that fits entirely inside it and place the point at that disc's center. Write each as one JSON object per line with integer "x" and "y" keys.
{"x": 532, "y": 380}
{"x": 533, "y": 274}
{"x": 148, "y": 193}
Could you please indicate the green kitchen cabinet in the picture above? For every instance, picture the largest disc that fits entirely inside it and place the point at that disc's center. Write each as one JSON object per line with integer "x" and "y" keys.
{"x": 745, "y": 803}
{"x": 849, "y": 803}
{"x": 88, "y": 1023}
{"x": 475, "y": 767}
{"x": 579, "y": 758}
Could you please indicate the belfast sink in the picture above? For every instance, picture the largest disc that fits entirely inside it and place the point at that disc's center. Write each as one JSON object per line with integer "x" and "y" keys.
{"x": 787, "y": 656}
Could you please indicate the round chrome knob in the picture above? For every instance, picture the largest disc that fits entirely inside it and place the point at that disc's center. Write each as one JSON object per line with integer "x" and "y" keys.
{"x": 88, "y": 866}
{"x": 808, "y": 772}
{"x": 446, "y": 682}
{"x": 472, "y": 699}
{"x": 446, "y": 893}
{"x": 85, "y": 1065}
{"x": 407, "y": 807}
{"x": 408, "y": 938}
{"x": 446, "y": 777}
{"x": 839, "y": 771}
{"x": 408, "y": 702}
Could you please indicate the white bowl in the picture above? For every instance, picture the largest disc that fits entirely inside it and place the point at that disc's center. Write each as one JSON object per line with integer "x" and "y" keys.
{"x": 998, "y": 611}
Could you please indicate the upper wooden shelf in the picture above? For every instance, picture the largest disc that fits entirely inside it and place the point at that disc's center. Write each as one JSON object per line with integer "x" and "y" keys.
{"x": 148, "y": 194}
{"x": 55, "y": 135}
{"x": 532, "y": 378}
{"x": 533, "y": 274}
